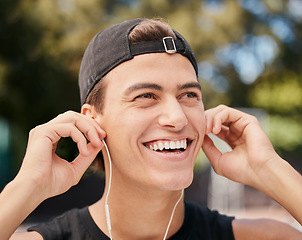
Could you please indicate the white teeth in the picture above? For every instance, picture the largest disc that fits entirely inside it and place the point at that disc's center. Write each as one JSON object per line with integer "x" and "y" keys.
{"x": 169, "y": 145}
{"x": 154, "y": 147}
{"x": 160, "y": 146}
{"x": 181, "y": 144}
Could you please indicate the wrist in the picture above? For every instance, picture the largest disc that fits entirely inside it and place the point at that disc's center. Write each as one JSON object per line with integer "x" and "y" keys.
{"x": 270, "y": 176}
{"x": 282, "y": 183}
{"x": 17, "y": 200}
{"x": 29, "y": 188}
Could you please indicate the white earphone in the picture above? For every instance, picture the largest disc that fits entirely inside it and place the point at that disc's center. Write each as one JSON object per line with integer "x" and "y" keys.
{"x": 107, "y": 195}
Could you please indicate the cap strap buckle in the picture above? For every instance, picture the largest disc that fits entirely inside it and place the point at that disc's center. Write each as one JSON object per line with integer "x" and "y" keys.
{"x": 171, "y": 44}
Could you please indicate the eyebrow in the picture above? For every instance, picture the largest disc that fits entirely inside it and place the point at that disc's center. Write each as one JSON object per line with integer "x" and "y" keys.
{"x": 190, "y": 85}
{"x": 159, "y": 88}
{"x": 142, "y": 86}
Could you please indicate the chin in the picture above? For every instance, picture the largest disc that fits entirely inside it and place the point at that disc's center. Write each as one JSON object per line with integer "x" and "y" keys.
{"x": 177, "y": 182}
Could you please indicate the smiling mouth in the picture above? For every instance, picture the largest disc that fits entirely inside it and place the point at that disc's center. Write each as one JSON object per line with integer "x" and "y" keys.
{"x": 169, "y": 146}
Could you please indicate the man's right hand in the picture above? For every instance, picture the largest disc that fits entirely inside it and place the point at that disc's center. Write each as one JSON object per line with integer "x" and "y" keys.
{"x": 41, "y": 164}
{"x": 43, "y": 173}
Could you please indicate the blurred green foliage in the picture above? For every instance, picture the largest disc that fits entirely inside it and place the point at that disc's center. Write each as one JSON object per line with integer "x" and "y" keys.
{"x": 249, "y": 54}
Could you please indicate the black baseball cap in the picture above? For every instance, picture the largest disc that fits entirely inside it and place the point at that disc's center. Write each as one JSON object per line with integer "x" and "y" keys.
{"x": 111, "y": 47}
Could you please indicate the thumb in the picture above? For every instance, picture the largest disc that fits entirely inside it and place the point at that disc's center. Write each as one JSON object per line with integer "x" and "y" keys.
{"x": 82, "y": 162}
{"x": 210, "y": 150}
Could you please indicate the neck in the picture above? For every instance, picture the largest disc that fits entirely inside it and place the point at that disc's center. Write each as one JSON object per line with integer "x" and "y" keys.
{"x": 138, "y": 213}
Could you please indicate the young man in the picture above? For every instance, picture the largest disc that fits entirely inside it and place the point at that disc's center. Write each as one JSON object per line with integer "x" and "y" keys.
{"x": 139, "y": 92}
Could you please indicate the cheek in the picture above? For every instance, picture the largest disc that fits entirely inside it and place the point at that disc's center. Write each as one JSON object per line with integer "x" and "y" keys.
{"x": 198, "y": 120}
{"x": 125, "y": 126}
{"x": 199, "y": 124}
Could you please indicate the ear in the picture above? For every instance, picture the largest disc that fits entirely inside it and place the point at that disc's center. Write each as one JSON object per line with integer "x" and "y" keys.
{"x": 90, "y": 111}
{"x": 87, "y": 110}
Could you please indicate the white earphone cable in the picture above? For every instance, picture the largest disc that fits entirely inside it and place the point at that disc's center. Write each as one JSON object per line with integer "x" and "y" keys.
{"x": 168, "y": 227}
{"x": 107, "y": 195}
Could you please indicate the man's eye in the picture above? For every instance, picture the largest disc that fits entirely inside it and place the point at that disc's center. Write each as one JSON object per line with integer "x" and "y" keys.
{"x": 146, "y": 95}
{"x": 190, "y": 95}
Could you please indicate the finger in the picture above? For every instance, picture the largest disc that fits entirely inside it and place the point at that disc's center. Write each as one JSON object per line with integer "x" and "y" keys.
{"x": 81, "y": 121}
{"x": 209, "y": 121}
{"x": 90, "y": 131}
{"x": 82, "y": 162}
{"x": 60, "y": 130}
{"x": 227, "y": 136}
{"x": 221, "y": 118}
{"x": 223, "y": 115}
{"x": 212, "y": 153}
{"x": 211, "y": 115}
{"x": 94, "y": 123}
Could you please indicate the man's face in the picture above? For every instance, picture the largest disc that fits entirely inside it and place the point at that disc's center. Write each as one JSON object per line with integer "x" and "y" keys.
{"x": 154, "y": 120}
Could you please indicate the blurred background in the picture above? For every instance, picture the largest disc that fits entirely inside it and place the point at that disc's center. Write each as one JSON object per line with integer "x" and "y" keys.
{"x": 249, "y": 54}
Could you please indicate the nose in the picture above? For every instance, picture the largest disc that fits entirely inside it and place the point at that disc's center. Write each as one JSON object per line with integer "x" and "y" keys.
{"x": 172, "y": 115}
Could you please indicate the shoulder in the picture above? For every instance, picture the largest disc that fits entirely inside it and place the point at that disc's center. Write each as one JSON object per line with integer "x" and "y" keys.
{"x": 26, "y": 236}
{"x": 65, "y": 225}
{"x": 264, "y": 229}
{"x": 76, "y": 224}
{"x": 210, "y": 224}
{"x": 206, "y": 215}
{"x": 59, "y": 226}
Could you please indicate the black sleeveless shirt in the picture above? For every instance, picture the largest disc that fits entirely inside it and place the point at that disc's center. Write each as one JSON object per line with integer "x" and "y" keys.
{"x": 199, "y": 223}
